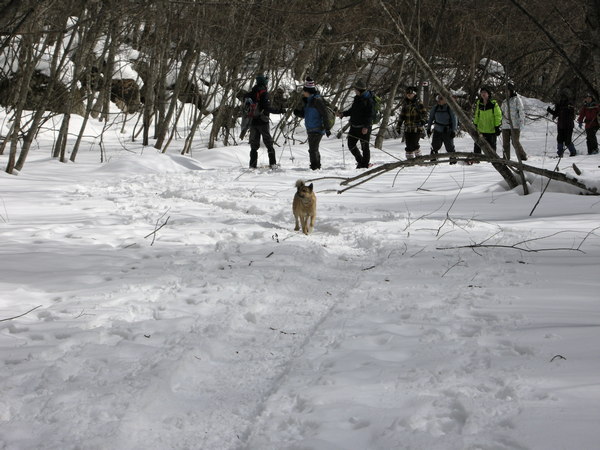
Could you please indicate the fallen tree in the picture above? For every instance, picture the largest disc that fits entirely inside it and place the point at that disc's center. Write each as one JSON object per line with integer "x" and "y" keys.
{"x": 464, "y": 157}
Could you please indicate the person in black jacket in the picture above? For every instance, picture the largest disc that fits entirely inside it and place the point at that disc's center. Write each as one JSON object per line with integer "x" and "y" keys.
{"x": 361, "y": 117}
{"x": 259, "y": 125}
{"x": 565, "y": 112}
{"x": 314, "y": 112}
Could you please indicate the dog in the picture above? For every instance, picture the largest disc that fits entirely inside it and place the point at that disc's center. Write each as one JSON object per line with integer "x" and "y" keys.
{"x": 304, "y": 207}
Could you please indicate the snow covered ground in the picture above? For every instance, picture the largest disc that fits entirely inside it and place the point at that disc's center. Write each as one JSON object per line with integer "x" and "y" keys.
{"x": 178, "y": 309}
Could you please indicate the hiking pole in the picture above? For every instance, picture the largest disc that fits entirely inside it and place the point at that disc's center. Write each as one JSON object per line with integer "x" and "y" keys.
{"x": 343, "y": 147}
{"x": 546, "y": 143}
{"x": 287, "y": 139}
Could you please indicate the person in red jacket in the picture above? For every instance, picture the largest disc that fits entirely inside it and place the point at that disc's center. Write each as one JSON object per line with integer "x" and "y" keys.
{"x": 589, "y": 114}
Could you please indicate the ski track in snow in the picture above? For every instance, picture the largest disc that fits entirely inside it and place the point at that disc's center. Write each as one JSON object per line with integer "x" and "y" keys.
{"x": 233, "y": 331}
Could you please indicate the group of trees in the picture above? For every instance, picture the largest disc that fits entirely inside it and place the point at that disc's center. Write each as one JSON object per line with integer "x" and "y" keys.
{"x": 62, "y": 56}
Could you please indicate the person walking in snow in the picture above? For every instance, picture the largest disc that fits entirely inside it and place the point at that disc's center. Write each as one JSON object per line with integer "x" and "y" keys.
{"x": 444, "y": 123}
{"x": 259, "y": 125}
{"x": 487, "y": 118}
{"x": 314, "y": 112}
{"x": 589, "y": 115}
{"x": 513, "y": 121}
{"x": 564, "y": 111}
{"x": 413, "y": 117}
{"x": 361, "y": 117}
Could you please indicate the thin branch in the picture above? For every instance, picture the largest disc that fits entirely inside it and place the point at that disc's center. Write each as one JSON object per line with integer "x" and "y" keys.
{"x": 21, "y": 315}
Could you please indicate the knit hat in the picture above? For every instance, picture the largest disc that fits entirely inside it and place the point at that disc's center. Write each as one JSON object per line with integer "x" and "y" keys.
{"x": 309, "y": 85}
{"x": 486, "y": 89}
{"x": 360, "y": 85}
{"x": 261, "y": 79}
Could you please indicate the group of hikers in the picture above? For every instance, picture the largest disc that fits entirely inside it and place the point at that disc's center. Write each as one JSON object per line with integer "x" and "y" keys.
{"x": 415, "y": 120}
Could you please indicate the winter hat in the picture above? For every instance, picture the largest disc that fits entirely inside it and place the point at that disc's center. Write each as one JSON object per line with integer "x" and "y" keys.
{"x": 309, "y": 85}
{"x": 511, "y": 86}
{"x": 261, "y": 79}
{"x": 411, "y": 90}
{"x": 486, "y": 89}
{"x": 360, "y": 85}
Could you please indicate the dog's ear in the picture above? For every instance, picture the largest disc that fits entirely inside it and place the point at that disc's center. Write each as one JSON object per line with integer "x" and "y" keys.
{"x": 310, "y": 187}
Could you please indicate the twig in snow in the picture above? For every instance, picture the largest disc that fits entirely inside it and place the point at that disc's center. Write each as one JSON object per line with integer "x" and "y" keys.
{"x": 457, "y": 263}
{"x": 156, "y": 228}
{"x": 21, "y": 315}
{"x": 558, "y": 357}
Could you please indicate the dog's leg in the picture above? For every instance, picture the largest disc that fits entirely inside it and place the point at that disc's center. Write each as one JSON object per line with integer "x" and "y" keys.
{"x": 305, "y": 224}
{"x": 297, "y": 227}
{"x": 312, "y": 224}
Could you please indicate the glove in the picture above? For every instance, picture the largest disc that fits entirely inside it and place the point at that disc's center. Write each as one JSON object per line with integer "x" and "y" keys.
{"x": 497, "y": 131}
{"x": 429, "y": 133}
{"x": 452, "y": 134}
{"x": 580, "y": 124}
{"x": 327, "y": 133}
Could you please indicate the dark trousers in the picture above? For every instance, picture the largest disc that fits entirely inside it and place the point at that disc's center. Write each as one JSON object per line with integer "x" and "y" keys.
{"x": 491, "y": 138}
{"x": 354, "y": 136}
{"x": 591, "y": 140}
{"x": 564, "y": 139}
{"x": 313, "y": 150}
{"x": 256, "y": 131}
{"x": 442, "y": 137}
{"x": 412, "y": 141}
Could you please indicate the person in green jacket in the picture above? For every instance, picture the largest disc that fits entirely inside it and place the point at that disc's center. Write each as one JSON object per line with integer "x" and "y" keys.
{"x": 488, "y": 118}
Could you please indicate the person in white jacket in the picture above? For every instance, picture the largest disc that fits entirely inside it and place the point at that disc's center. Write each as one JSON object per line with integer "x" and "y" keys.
{"x": 513, "y": 120}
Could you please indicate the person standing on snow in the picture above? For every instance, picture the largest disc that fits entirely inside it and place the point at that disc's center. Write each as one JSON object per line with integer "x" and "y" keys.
{"x": 487, "y": 118}
{"x": 589, "y": 114}
{"x": 444, "y": 123}
{"x": 413, "y": 116}
{"x": 565, "y": 112}
{"x": 259, "y": 125}
{"x": 361, "y": 117}
{"x": 314, "y": 113}
{"x": 513, "y": 121}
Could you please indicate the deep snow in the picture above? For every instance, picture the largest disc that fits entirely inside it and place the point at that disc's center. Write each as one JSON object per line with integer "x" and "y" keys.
{"x": 225, "y": 329}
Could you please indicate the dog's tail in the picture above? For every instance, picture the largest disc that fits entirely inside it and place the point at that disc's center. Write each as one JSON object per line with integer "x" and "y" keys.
{"x": 299, "y": 184}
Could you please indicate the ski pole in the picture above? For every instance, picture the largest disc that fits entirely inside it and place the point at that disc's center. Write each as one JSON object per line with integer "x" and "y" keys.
{"x": 343, "y": 147}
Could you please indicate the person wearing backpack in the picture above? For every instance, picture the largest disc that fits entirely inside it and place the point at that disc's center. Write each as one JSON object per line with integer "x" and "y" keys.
{"x": 589, "y": 114}
{"x": 487, "y": 119}
{"x": 361, "y": 121}
{"x": 564, "y": 111}
{"x": 413, "y": 116}
{"x": 314, "y": 112}
{"x": 259, "y": 123}
{"x": 513, "y": 120}
{"x": 444, "y": 123}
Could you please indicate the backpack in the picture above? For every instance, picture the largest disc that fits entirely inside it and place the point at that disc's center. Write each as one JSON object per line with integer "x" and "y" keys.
{"x": 438, "y": 108}
{"x": 329, "y": 119}
{"x": 376, "y": 113}
{"x": 250, "y": 108}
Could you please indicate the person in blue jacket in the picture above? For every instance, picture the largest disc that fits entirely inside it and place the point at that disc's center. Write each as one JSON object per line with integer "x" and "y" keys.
{"x": 314, "y": 112}
{"x": 443, "y": 121}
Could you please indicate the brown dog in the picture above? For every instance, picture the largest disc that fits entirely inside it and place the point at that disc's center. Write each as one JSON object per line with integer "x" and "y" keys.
{"x": 304, "y": 207}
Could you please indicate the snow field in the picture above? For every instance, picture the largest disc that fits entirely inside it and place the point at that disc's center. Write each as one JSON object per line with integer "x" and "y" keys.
{"x": 230, "y": 330}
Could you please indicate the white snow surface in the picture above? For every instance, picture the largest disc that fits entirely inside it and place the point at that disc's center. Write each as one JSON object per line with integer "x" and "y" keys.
{"x": 178, "y": 309}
